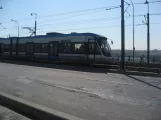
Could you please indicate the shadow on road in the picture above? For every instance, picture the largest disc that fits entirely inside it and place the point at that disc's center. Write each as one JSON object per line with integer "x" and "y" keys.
{"x": 81, "y": 68}
{"x": 144, "y": 82}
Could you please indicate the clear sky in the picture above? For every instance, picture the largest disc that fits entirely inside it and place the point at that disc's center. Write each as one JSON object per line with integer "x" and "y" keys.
{"x": 100, "y": 21}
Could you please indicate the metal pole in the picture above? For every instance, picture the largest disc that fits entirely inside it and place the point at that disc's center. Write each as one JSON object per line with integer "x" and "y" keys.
{"x": 133, "y": 29}
{"x": 35, "y": 27}
{"x": 17, "y": 25}
{"x": 122, "y": 36}
{"x": 148, "y": 37}
{"x": 18, "y": 29}
{"x": 133, "y": 33}
{"x": 35, "y": 23}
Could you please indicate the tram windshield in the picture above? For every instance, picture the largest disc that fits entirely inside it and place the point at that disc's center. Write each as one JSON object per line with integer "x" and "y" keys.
{"x": 105, "y": 47}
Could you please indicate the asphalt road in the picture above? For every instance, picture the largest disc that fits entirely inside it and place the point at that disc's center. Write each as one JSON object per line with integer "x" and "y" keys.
{"x": 93, "y": 96}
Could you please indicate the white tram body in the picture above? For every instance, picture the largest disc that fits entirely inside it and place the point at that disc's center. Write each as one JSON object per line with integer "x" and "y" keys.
{"x": 75, "y": 47}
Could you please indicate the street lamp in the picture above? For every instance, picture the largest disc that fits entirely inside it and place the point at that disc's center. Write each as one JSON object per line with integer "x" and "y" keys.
{"x": 35, "y": 21}
{"x": 133, "y": 29}
{"x": 148, "y": 34}
{"x": 17, "y": 25}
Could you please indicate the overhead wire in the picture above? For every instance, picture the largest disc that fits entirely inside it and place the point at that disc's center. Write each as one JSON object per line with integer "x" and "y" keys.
{"x": 71, "y": 12}
{"x": 62, "y": 18}
{"x": 88, "y": 20}
{"x": 107, "y": 8}
{"x": 159, "y": 1}
{"x": 97, "y": 27}
{"x": 88, "y": 28}
{"x": 79, "y": 11}
{"x": 74, "y": 16}
{"x": 156, "y": 14}
{"x": 94, "y": 10}
{"x": 80, "y": 22}
{"x": 85, "y": 21}
{"x": 112, "y": 26}
{"x": 148, "y": 2}
{"x": 82, "y": 14}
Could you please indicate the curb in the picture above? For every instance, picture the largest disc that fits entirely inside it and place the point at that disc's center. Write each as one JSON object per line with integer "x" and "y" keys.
{"x": 32, "y": 110}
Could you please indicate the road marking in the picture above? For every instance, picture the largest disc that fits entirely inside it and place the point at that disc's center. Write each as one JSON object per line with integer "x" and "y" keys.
{"x": 123, "y": 83}
{"x": 23, "y": 80}
{"x": 120, "y": 83}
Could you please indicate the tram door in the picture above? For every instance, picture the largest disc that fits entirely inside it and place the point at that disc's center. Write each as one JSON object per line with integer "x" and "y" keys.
{"x": 53, "y": 52}
{"x": 14, "y": 47}
{"x": 91, "y": 51}
{"x": 30, "y": 49}
{"x": 1, "y": 49}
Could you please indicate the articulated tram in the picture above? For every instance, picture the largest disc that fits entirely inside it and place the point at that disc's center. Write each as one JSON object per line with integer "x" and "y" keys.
{"x": 83, "y": 48}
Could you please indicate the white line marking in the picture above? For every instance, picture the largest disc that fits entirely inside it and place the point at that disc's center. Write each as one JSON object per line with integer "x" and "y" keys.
{"x": 123, "y": 83}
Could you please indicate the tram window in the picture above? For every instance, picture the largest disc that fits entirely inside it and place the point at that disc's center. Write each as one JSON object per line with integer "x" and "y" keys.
{"x": 37, "y": 48}
{"x": 13, "y": 47}
{"x": 97, "y": 50}
{"x": 6, "y": 48}
{"x": 79, "y": 48}
{"x": 51, "y": 48}
{"x": 1, "y": 48}
{"x": 94, "y": 49}
{"x": 14, "y": 41}
{"x": 44, "y": 48}
{"x": 91, "y": 48}
{"x": 65, "y": 48}
{"x": 21, "y": 47}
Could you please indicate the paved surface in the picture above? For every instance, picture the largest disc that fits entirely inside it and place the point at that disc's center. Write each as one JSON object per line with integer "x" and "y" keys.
{"x": 93, "y": 96}
{"x": 6, "y": 114}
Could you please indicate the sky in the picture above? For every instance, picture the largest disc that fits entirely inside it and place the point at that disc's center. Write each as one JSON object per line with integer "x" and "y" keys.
{"x": 68, "y": 16}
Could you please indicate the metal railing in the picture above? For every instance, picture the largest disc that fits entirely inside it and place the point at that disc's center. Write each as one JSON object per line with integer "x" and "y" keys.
{"x": 138, "y": 59}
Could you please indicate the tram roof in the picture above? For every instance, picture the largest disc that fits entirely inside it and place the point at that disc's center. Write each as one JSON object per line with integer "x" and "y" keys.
{"x": 60, "y": 35}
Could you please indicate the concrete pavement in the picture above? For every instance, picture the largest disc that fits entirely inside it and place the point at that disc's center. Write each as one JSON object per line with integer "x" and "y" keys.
{"x": 6, "y": 114}
{"x": 86, "y": 95}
